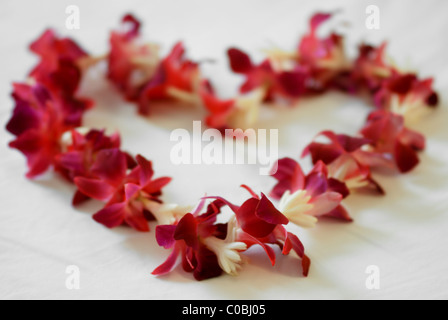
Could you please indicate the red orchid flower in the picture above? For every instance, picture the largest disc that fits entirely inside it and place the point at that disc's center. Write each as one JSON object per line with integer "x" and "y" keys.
{"x": 259, "y": 222}
{"x": 175, "y": 78}
{"x": 81, "y": 156}
{"x": 56, "y": 56}
{"x": 259, "y": 217}
{"x": 311, "y": 48}
{"x": 130, "y": 64}
{"x": 38, "y": 124}
{"x": 189, "y": 238}
{"x": 279, "y": 236}
{"x": 391, "y": 142}
{"x": 262, "y": 224}
{"x": 323, "y": 57}
{"x": 405, "y": 94}
{"x": 370, "y": 68}
{"x": 126, "y": 194}
{"x": 202, "y": 242}
{"x": 60, "y": 72}
{"x": 305, "y": 197}
{"x": 343, "y": 156}
{"x": 51, "y": 48}
{"x": 288, "y": 84}
{"x": 240, "y": 112}
{"x": 220, "y": 110}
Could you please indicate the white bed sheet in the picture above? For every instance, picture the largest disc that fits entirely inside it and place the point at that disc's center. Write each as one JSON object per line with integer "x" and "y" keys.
{"x": 404, "y": 234}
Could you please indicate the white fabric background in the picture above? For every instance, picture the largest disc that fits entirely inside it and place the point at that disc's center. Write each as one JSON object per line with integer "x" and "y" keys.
{"x": 403, "y": 233}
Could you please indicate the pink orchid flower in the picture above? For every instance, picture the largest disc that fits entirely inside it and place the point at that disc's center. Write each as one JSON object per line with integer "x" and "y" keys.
{"x": 126, "y": 194}
{"x": 303, "y": 198}
{"x": 343, "y": 156}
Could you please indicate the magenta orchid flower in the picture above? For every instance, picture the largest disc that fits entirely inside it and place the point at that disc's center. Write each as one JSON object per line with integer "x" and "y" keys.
{"x": 343, "y": 156}
{"x": 193, "y": 238}
{"x": 324, "y": 58}
{"x": 406, "y": 95}
{"x": 392, "y": 144}
{"x": 175, "y": 78}
{"x": 38, "y": 123}
{"x": 81, "y": 154}
{"x": 240, "y": 112}
{"x": 370, "y": 68}
{"x": 126, "y": 194}
{"x": 220, "y": 111}
{"x": 258, "y": 222}
{"x": 261, "y": 223}
{"x": 60, "y": 71}
{"x": 304, "y": 198}
{"x": 286, "y": 84}
{"x": 131, "y": 64}
{"x": 393, "y": 90}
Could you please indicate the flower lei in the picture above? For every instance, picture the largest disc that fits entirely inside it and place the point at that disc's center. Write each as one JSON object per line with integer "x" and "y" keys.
{"x": 47, "y": 124}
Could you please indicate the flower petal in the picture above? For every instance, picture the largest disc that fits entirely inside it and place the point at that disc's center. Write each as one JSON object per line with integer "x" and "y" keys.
{"x": 324, "y": 203}
{"x": 250, "y": 222}
{"x": 165, "y": 236}
{"x": 269, "y": 213}
{"x": 250, "y": 241}
{"x": 240, "y": 62}
{"x": 111, "y": 216}
{"x": 187, "y": 230}
{"x": 405, "y": 157}
{"x": 290, "y": 177}
{"x": 111, "y": 166}
{"x": 135, "y": 218}
{"x": 168, "y": 265}
{"x": 95, "y": 189}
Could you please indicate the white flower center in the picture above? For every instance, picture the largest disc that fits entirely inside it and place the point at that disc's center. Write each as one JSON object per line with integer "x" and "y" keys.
{"x": 296, "y": 206}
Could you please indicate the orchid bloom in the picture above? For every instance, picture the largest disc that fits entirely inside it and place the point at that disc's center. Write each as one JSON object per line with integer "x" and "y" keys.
{"x": 126, "y": 194}
{"x": 408, "y": 96}
{"x": 392, "y": 144}
{"x": 38, "y": 124}
{"x": 81, "y": 153}
{"x": 241, "y": 112}
{"x": 175, "y": 78}
{"x": 59, "y": 70}
{"x": 262, "y": 223}
{"x": 259, "y": 222}
{"x": 81, "y": 147}
{"x": 196, "y": 237}
{"x": 321, "y": 53}
{"x": 286, "y": 84}
{"x": 325, "y": 58}
{"x": 47, "y": 108}
{"x": 343, "y": 156}
{"x": 59, "y": 59}
{"x": 370, "y": 68}
{"x": 303, "y": 198}
{"x": 131, "y": 64}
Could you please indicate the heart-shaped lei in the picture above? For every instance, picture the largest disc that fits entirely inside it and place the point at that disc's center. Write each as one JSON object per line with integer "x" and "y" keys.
{"x": 48, "y": 117}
